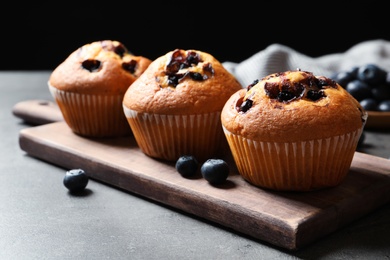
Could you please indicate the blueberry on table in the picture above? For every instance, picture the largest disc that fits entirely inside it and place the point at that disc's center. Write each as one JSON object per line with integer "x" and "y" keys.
{"x": 215, "y": 171}
{"x": 75, "y": 180}
{"x": 187, "y": 165}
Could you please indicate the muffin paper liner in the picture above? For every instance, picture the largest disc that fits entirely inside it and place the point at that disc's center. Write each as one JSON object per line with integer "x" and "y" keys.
{"x": 295, "y": 166}
{"x": 92, "y": 115}
{"x": 168, "y": 137}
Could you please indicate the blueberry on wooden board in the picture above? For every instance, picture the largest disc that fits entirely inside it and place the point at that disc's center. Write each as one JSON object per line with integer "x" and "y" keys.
{"x": 187, "y": 165}
{"x": 75, "y": 180}
{"x": 215, "y": 171}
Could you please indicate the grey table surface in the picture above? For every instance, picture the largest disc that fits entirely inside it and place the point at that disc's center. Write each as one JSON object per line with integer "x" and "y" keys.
{"x": 39, "y": 219}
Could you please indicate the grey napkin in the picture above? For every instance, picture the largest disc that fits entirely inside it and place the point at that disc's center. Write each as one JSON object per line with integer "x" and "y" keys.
{"x": 278, "y": 58}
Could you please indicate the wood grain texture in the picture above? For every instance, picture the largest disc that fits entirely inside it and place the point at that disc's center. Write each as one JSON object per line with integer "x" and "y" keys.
{"x": 290, "y": 220}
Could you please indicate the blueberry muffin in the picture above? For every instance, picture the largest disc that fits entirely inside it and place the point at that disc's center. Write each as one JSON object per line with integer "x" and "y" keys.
{"x": 293, "y": 131}
{"x": 174, "y": 107}
{"x": 89, "y": 86}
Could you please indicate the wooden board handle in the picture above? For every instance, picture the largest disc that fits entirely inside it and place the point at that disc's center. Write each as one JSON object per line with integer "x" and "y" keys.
{"x": 37, "y": 112}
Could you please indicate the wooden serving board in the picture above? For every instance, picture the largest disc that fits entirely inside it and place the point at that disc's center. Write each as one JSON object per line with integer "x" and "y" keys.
{"x": 290, "y": 220}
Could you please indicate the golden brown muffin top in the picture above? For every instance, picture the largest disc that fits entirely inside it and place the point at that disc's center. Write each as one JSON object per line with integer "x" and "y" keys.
{"x": 182, "y": 82}
{"x": 101, "y": 67}
{"x": 292, "y": 106}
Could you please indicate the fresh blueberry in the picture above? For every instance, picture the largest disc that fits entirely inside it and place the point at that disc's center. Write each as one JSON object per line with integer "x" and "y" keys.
{"x": 381, "y": 92}
{"x": 369, "y": 104}
{"x": 354, "y": 70}
{"x": 344, "y": 77}
{"x": 359, "y": 89}
{"x": 384, "y": 106}
{"x": 372, "y": 74}
{"x": 187, "y": 165}
{"x": 215, "y": 171}
{"x": 76, "y": 180}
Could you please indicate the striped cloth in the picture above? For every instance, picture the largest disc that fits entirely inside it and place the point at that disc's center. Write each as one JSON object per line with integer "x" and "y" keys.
{"x": 278, "y": 58}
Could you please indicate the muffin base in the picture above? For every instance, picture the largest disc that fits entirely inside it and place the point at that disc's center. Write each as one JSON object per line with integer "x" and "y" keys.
{"x": 92, "y": 115}
{"x": 295, "y": 166}
{"x": 168, "y": 137}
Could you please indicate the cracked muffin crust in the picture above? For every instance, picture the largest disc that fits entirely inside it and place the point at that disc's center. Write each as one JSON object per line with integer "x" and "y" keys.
{"x": 292, "y": 106}
{"x": 101, "y": 67}
{"x": 89, "y": 86}
{"x": 174, "y": 107}
{"x": 293, "y": 131}
{"x": 182, "y": 82}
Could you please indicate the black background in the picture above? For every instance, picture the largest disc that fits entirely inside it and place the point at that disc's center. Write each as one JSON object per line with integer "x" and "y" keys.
{"x": 39, "y": 36}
